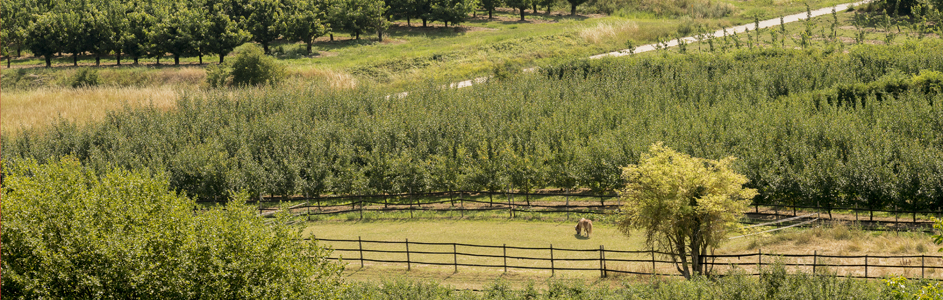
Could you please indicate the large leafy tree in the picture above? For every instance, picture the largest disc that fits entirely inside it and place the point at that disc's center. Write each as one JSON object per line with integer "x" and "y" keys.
{"x": 684, "y": 205}
{"x": 452, "y": 11}
{"x": 521, "y": 5}
{"x": 15, "y": 22}
{"x": 303, "y": 22}
{"x": 573, "y": 5}
{"x": 490, "y": 5}
{"x": 70, "y": 233}
{"x": 263, "y": 21}
{"x": 223, "y": 34}
{"x": 177, "y": 32}
{"x": 44, "y": 36}
{"x": 360, "y": 16}
{"x": 133, "y": 40}
{"x": 75, "y": 32}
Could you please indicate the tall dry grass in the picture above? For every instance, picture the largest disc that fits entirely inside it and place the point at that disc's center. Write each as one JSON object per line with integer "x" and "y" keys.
{"x": 334, "y": 78}
{"x": 608, "y": 30}
{"x": 26, "y": 109}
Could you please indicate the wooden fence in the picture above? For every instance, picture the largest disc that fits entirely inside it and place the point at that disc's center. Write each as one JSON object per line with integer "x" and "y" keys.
{"x": 608, "y": 261}
{"x": 414, "y": 201}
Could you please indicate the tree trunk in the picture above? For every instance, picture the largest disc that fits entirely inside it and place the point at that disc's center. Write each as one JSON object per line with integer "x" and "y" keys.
{"x": 535, "y": 8}
{"x": 357, "y": 35}
{"x": 572, "y": 9}
{"x": 407, "y": 22}
{"x": 176, "y": 59}
{"x": 380, "y": 34}
{"x": 49, "y": 61}
{"x": 265, "y": 48}
{"x": 8, "y": 61}
{"x": 75, "y": 59}
{"x": 98, "y": 60}
{"x": 118, "y": 57}
{"x": 490, "y": 17}
{"x": 18, "y": 48}
{"x": 158, "y": 60}
{"x": 332, "y": 37}
{"x": 135, "y": 60}
{"x": 309, "y": 47}
{"x": 522, "y": 14}
{"x": 201, "y": 59}
{"x": 221, "y": 56}
{"x": 423, "y": 22}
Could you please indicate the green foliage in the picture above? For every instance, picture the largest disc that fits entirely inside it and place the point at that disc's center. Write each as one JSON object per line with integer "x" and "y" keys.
{"x": 563, "y": 127}
{"x": 773, "y": 283}
{"x": 85, "y": 77}
{"x": 685, "y": 205}
{"x": 250, "y": 67}
{"x": 71, "y": 233}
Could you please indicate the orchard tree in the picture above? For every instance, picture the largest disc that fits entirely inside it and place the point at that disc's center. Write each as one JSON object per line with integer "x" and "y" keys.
{"x": 223, "y": 34}
{"x": 521, "y": 5}
{"x": 360, "y": 16}
{"x": 684, "y": 205}
{"x": 304, "y": 23}
{"x": 573, "y": 5}
{"x": 15, "y": 22}
{"x": 490, "y": 5}
{"x": 132, "y": 41}
{"x": 452, "y": 11}
{"x": 75, "y": 33}
{"x": 263, "y": 21}
{"x": 44, "y": 36}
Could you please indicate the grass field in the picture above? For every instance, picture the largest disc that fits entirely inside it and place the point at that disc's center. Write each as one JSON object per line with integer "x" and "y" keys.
{"x": 825, "y": 239}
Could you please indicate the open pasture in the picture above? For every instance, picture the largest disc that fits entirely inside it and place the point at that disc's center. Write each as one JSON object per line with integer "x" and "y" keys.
{"x": 477, "y": 256}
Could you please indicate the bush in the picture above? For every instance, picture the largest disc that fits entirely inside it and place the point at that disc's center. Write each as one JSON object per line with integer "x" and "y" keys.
{"x": 70, "y": 233}
{"x": 85, "y": 77}
{"x": 250, "y": 67}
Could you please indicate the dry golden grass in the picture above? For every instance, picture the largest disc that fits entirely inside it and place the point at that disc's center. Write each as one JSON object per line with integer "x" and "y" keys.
{"x": 334, "y": 78}
{"x": 607, "y": 30}
{"x": 41, "y": 107}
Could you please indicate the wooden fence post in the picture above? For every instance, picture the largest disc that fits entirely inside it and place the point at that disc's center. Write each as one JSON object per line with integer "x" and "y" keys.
{"x": 462, "y": 202}
{"x": 361, "y": 209}
{"x": 410, "y": 209}
{"x": 510, "y": 207}
{"x": 921, "y": 265}
{"x": 552, "y": 271}
{"x": 360, "y": 244}
{"x": 308, "y": 210}
{"x": 602, "y": 261}
{"x": 759, "y": 264}
{"x": 865, "y": 266}
{"x": 567, "y": 204}
{"x": 815, "y": 260}
{"x": 408, "y": 264}
{"x": 653, "y": 263}
{"x": 505, "y": 247}
{"x": 455, "y": 257}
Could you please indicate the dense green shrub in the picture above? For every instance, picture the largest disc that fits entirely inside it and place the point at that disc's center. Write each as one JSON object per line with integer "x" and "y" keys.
{"x": 84, "y": 77}
{"x": 70, "y": 233}
{"x": 250, "y": 67}
{"x": 773, "y": 283}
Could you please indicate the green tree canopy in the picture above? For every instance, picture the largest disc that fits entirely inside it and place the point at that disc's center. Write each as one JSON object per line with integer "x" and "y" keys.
{"x": 684, "y": 205}
{"x": 70, "y": 233}
{"x": 304, "y": 23}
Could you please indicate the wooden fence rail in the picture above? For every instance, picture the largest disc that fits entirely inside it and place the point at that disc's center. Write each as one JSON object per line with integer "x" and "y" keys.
{"x": 607, "y": 261}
